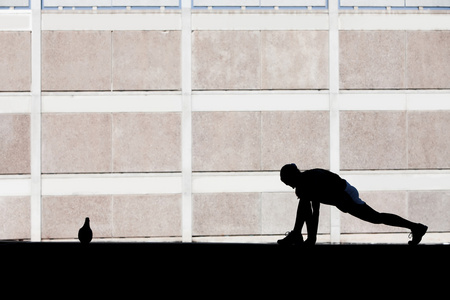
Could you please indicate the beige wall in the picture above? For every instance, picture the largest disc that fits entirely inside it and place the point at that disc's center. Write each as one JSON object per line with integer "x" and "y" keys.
{"x": 110, "y": 142}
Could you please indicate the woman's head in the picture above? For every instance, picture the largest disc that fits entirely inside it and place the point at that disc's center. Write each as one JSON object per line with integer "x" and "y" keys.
{"x": 289, "y": 174}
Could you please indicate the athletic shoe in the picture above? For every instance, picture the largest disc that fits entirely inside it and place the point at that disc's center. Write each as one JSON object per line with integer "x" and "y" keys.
{"x": 292, "y": 238}
{"x": 417, "y": 234}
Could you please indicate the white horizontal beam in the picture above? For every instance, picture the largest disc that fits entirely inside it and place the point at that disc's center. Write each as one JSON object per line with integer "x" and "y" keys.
{"x": 377, "y": 21}
{"x": 219, "y": 21}
{"x": 215, "y": 182}
{"x": 272, "y": 21}
{"x": 237, "y": 182}
{"x": 408, "y": 180}
{"x": 384, "y": 100}
{"x": 111, "y": 184}
{"x": 13, "y": 21}
{"x": 228, "y": 101}
{"x": 259, "y": 101}
{"x": 404, "y": 180}
{"x": 130, "y": 21}
{"x": 11, "y": 104}
{"x": 111, "y": 102}
{"x": 15, "y": 185}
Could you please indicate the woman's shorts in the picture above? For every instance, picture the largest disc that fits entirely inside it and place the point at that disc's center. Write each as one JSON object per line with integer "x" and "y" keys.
{"x": 353, "y": 193}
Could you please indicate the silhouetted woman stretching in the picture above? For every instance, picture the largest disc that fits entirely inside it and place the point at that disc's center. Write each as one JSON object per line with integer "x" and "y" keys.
{"x": 317, "y": 186}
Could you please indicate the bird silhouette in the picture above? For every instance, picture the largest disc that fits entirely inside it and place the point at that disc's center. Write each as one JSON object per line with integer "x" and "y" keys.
{"x": 85, "y": 233}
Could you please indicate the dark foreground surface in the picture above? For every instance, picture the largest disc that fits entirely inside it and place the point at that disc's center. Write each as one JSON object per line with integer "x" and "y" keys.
{"x": 211, "y": 270}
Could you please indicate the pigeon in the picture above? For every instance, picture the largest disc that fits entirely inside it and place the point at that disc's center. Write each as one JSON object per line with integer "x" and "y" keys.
{"x": 85, "y": 233}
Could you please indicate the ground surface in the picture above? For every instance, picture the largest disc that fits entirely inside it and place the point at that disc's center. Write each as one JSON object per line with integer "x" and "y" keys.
{"x": 210, "y": 270}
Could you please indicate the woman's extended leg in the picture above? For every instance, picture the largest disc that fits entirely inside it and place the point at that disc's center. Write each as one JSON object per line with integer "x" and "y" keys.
{"x": 367, "y": 213}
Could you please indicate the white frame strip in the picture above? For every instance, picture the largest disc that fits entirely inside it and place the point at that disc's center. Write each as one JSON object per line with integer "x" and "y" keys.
{"x": 386, "y": 21}
{"x": 111, "y": 184}
{"x": 333, "y": 46}
{"x": 13, "y": 20}
{"x": 260, "y": 101}
{"x": 259, "y": 21}
{"x": 35, "y": 123}
{"x": 186, "y": 121}
{"x": 119, "y": 21}
{"x": 111, "y": 102}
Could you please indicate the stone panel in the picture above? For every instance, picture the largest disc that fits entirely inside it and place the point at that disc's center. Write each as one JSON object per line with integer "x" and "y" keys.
{"x": 372, "y": 59}
{"x": 429, "y": 140}
{"x": 14, "y": 144}
{"x": 294, "y": 59}
{"x": 15, "y": 217}
{"x": 76, "y": 60}
{"x": 15, "y": 61}
{"x": 146, "y": 215}
{"x": 299, "y": 137}
{"x": 428, "y": 59}
{"x": 430, "y": 208}
{"x": 76, "y": 143}
{"x": 146, "y": 142}
{"x": 146, "y": 60}
{"x": 226, "y": 214}
{"x": 226, "y": 141}
{"x": 223, "y": 60}
{"x": 63, "y": 216}
{"x": 373, "y": 140}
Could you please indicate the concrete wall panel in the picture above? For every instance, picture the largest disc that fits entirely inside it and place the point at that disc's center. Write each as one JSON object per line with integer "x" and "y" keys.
{"x": 15, "y": 61}
{"x": 146, "y": 60}
{"x": 373, "y": 140}
{"x": 76, "y": 60}
{"x": 14, "y": 144}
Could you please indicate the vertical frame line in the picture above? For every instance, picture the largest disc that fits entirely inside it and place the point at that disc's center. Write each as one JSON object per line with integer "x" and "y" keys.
{"x": 186, "y": 121}
{"x": 333, "y": 71}
{"x": 35, "y": 123}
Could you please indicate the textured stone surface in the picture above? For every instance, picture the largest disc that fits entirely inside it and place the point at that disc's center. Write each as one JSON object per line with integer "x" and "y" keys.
{"x": 15, "y": 61}
{"x": 14, "y": 144}
{"x": 226, "y": 60}
{"x": 372, "y": 59}
{"x": 146, "y": 215}
{"x": 146, "y": 60}
{"x": 428, "y": 59}
{"x": 226, "y": 141}
{"x": 294, "y": 59}
{"x": 63, "y": 216}
{"x": 76, "y": 143}
{"x": 299, "y": 137}
{"x": 15, "y": 217}
{"x": 429, "y": 140}
{"x": 226, "y": 214}
{"x": 430, "y": 208}
{"x": 146, "y": 142}
{"x": 76, "y": 60}
{"x": 373, "y": 140}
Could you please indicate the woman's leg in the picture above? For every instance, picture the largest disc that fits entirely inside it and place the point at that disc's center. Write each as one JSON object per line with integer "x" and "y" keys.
{"x": 367, "y": 213}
